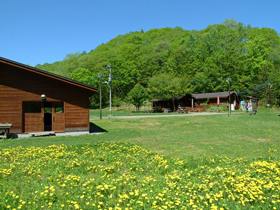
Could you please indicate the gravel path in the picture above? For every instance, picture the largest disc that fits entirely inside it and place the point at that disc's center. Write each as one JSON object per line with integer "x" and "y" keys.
{"x": 172, "y": 115}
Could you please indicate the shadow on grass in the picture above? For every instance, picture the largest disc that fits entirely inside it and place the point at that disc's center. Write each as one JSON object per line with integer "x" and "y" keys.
{"x": 96, "y": 129}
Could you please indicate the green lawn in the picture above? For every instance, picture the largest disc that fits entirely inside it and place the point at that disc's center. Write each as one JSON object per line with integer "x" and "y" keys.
{"x": 190, "y": 162}
{"x": 236, "y": 136}
{"x": 95, "y": 113}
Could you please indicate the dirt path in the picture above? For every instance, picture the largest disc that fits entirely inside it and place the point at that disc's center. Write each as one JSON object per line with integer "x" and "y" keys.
{"x": 172, "y": 115}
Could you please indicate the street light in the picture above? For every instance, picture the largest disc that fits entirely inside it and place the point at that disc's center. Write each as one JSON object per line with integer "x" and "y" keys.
{"x": 100, "y": 94}
{"x": 110, "y": 86}
{"x": 229, "y": 105}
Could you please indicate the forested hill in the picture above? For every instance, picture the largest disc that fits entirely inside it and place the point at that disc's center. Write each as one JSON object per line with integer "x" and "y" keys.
{"x": 249, "y": 56}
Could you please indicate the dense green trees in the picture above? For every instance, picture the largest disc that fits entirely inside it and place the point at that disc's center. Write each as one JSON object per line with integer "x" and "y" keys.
{"x": 85, "y": 76}
{"x": 166, "y": 86}
{"x": 250, "y": 56}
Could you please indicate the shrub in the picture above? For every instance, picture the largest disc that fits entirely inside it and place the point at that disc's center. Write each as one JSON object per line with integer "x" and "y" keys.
{"x": 216, "y": 109}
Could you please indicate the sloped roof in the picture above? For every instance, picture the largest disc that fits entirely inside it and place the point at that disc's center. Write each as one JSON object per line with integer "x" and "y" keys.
{"x": 202, "y": 96}
{"x": 156, "y": 100}
{"x": 252, "y": 98}
{"x": 47, "y": 74}
{"x": 212, "y": 95}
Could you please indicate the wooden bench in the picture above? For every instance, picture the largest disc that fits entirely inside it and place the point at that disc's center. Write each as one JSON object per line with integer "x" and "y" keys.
{"x": 6, "y": 127}
{"x": 46, "y": 133}
{"x": 166, "y": 110}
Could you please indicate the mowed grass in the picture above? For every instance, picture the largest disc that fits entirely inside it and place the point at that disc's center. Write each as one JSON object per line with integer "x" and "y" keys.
{"x": 95, "y": 113}
{"x": 189, "y": 162}
{"x": 237, "y": 136}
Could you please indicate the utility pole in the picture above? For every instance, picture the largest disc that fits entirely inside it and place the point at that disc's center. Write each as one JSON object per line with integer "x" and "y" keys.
{"x": 229, "y": 105}
{"x": 110, "y": 87}
{"x": 270, "y": 85}
{"x": 100, "y": 94}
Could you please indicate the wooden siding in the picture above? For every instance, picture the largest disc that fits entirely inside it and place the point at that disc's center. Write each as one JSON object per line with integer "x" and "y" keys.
{"x": 33, "y": 122}
{"x": 76, "y": 117}
{"x": 18, "y": 86}
{"x": 58, "y": 121}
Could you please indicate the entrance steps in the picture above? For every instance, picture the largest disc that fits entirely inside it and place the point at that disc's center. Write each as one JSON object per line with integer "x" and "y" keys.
{"x": 46, "y": 133}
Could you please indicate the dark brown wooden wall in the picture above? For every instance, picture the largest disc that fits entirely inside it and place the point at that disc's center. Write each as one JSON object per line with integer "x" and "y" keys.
{"x": 19, "y": 85}
{"x": 186, "y": 101}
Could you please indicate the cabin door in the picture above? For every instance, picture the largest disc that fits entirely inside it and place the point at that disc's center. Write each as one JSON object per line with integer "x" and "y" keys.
{"x": 58, "y": 117}
{"x": 48, "y": 116}
{"x": 33, "y": 117}
{"x": 54, "y": 118}
{"x": 43, "y": 116}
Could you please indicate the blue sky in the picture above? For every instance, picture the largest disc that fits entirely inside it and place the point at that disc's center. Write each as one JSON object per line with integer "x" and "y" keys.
{"x": 44, "y": 31}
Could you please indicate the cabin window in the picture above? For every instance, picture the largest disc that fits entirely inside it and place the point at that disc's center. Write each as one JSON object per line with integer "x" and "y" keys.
{"x": 48, "y": 107}
{"x": 48, "y": 110}
{"x": 58, "y": 108}
{"x": 32, "y": 108}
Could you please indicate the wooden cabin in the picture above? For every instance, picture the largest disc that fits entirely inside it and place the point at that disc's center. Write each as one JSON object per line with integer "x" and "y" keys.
{"x": 207, "y": 99}
{"x": 199, "y": 100}
{"x": 34, "y": 100}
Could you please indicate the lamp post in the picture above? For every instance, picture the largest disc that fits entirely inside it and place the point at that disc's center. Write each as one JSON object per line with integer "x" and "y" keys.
{"x": 229, "y": 105}
{"x": 270, "y": 85}
{"x": 110, "y": 87}
{"x": 100, "y": 93}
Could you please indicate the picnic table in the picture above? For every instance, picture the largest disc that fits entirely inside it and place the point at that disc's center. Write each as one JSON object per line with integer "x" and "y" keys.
{"x": 6, "y": 127}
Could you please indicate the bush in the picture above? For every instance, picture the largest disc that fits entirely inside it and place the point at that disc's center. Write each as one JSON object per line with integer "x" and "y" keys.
{"x": 158, "y": 110}
{"x": 216, "y": 108}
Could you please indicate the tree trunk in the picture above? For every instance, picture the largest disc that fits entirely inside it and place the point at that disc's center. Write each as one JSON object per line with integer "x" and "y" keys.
{"x": 173, "y": 101}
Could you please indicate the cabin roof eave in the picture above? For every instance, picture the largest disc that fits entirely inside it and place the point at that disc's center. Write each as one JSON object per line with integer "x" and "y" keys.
{"x": 48, "y": 74}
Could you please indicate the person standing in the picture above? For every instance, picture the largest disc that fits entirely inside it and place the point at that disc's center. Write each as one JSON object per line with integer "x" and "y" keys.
{"x": 179, "y": 108}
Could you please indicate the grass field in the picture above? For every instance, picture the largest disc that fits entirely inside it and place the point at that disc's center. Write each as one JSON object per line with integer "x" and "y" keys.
{"x": 95, "y": 113}
{"x": 191, "y": 162}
